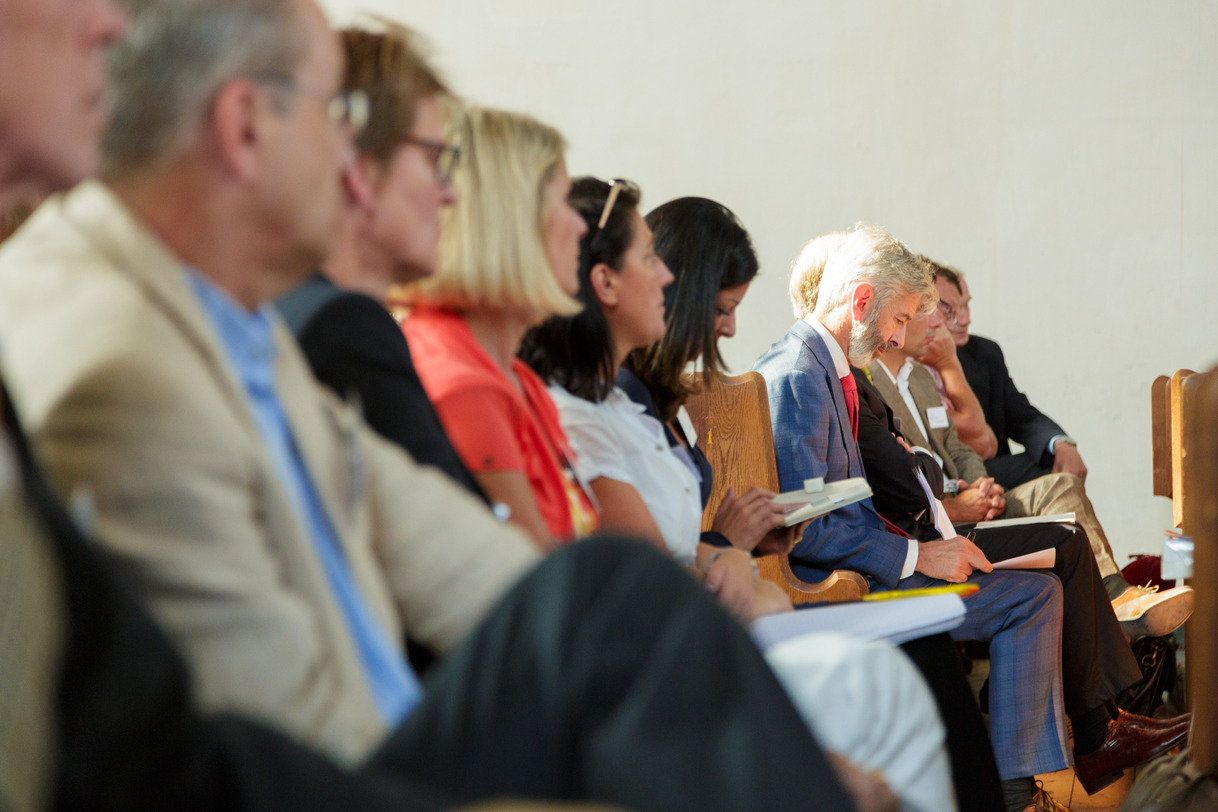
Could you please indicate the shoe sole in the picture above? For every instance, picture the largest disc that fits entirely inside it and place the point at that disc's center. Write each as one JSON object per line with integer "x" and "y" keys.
{"x": 1100, "y": 781}
{"x": 1160, "y": 619}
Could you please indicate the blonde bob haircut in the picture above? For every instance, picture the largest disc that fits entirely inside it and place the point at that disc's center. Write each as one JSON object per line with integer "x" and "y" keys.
{"x": 492, "y": 252}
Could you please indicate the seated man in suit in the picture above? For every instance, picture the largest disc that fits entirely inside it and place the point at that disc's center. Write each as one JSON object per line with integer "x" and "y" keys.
{"x": 1048, "y": 449}
{"x": 909, "y": 390}
{"x": 387, "y": 236}
{"x": 870, "y": 288}
{"x": 254, "y": 542}
{"x": 98, "y": 709}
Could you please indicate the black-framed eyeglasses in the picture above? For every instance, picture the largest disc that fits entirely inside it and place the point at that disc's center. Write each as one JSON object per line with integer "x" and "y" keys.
{"x": 616, "y": 185}
{"x": 346, "y": 107}
{"x": 444, "y": 156}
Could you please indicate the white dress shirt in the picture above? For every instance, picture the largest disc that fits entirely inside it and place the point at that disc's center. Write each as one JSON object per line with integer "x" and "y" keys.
{"x": 616, "y": 440}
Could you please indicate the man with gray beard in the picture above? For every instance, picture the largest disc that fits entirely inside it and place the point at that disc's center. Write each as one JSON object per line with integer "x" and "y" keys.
{"x": 853, "y": 299}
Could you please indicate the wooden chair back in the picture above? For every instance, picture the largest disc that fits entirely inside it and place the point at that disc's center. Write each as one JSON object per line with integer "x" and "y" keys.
{"x": 732, "y": 419}
{"x": 1183, "y": 387}
{"x": 1200, "y": 521}
{"x": 1160, "y": 436}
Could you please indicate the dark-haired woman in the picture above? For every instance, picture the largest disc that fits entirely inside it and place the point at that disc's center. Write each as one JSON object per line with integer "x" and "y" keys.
{"x": 713, "y": 263}
{"x": 645, "y": 488}
{"x": 712, "y": 259}
{"x": 642, "y": 487}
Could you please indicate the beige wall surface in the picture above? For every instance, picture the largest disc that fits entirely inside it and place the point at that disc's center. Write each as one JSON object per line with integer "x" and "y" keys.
{"x": 1062, "y": 154}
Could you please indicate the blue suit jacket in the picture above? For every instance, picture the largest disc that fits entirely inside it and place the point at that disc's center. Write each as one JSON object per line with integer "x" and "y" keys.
{"x": 812, "y": 438}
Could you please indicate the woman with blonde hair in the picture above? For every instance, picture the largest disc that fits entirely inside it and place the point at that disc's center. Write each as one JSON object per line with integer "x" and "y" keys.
{"x": 508, "y": 259}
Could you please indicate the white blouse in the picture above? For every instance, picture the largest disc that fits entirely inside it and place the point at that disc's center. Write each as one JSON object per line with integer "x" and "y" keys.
{"x": 615, "y": 439}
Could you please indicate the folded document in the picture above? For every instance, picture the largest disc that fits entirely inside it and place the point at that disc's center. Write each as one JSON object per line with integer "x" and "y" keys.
{"x": 895, "y": 621}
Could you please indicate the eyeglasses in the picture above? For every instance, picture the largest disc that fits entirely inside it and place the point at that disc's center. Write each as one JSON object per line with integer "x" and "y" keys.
{"x": 951, "y": 315}
{"x": 615, "y": 188}
{"x": 948, "y": 314}
{"x": 444, "y": 157}
{"x": 346, "y": 107}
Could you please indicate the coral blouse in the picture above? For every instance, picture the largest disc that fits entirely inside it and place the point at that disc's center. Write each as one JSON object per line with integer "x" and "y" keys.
{"x": 492, "y": 424}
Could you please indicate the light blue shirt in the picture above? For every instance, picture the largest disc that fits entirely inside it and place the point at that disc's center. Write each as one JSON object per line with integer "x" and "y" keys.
{"x": 249, "y": 342}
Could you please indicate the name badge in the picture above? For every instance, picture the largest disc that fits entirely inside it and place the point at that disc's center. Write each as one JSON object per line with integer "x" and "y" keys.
{"x": 937, "y": 417}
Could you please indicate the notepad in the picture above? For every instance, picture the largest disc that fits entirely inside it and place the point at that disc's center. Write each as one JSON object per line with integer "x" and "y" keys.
{"x": 895, "y": 621}
{"x": 1066, "y": 519}
{"x": 818, "y": 497}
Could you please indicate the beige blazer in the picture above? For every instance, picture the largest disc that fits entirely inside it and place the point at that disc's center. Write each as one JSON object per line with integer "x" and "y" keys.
{"x": 130, "y": 400}
{"x": 959, "y": 460}
{"x": 31, "y": 647}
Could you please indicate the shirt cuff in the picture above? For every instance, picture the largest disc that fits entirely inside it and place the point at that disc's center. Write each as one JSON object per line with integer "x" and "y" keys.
{"x": 1053, "y": 442}
{"x": 911, "y": 559}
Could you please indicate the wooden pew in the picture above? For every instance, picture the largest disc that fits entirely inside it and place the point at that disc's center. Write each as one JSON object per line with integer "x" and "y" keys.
{"x": 1160, "y": 436}
{"x": 1199, "y": 477}
{"x": 732, "y": 419}
{"x": 1184, "y": 384}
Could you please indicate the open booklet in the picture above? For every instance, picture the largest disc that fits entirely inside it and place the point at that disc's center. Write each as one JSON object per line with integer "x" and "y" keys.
{"x": 896, "y": 621}
{"x": 818, "y": 497}
{"x": 1066, "y": 519}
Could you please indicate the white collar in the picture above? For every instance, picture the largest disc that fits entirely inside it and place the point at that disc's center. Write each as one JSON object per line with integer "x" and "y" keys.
{"x": 835, "y": 351}
{"x": 901, "y": 379}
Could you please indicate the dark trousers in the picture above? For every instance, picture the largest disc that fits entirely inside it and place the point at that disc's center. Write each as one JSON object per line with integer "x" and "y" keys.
{"x": 609, "y": 674}
{"x": 1097, "y": 663}
{"x": 974, "y": 771}
{"x": 1012, "y": 470}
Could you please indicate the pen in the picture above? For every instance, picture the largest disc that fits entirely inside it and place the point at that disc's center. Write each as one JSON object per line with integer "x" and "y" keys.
{"x": 963, "y": 590}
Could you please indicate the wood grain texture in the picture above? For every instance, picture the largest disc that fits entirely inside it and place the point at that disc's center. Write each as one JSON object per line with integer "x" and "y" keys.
{"x": 1160, "y": 436}
{"x": 732, "y": 419}
{"x": 1179, "y": 451}
{"x": 1200, "y": 479}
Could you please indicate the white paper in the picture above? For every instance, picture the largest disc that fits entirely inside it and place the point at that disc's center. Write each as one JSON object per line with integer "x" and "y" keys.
{"x": 1064, "y": 519}
{"x": 896, "y": 621}
{"x": 942, "y": 523}
{"x": 1039, "y": 560}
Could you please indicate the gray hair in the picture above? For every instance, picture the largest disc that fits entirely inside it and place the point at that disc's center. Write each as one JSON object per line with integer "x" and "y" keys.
{"x": 806, "y": 270}
{"x": 870, "y": 254}
{"x": 176, "y": 56}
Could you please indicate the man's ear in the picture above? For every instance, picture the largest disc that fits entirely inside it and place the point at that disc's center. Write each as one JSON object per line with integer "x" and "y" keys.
{"x": 861, "y": 299}
{"x": 236, "y": 124}
{"x": 604, "y": 284}
{"x": 360, "y": 178}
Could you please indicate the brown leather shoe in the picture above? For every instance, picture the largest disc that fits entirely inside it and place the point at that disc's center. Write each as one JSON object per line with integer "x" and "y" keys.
{"x": 1124, "y": 747}
{"x": 1136, "y": 722}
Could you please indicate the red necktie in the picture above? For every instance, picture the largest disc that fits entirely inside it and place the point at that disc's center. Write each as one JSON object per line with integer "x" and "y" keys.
{"x": 851, "y": 390}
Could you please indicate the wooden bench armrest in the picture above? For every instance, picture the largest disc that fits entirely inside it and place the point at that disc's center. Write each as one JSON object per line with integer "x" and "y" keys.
{"x": 732, "y": 419}
{"x": 841, "y": 585}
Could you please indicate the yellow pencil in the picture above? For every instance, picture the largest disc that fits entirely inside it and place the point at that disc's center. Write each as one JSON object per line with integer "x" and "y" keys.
{"x": 963, "y": 590}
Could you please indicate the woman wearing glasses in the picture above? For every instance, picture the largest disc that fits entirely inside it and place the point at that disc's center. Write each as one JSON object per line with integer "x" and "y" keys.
{"x": 508, "y": 258}
{"x": 645, "y": 488}
{"x": 387, "y": 236}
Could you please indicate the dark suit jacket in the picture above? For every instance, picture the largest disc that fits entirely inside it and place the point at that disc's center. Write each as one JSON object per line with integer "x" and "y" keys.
{"x": 896, "y": 492}
{"x": 354, "y": 346}
{"x": 1007, "y": 410}
{"x": 129, "y": 737}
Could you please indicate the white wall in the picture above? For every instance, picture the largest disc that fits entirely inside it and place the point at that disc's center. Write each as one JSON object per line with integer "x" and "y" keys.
{"x": 1062, "y": 154}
